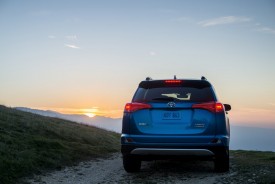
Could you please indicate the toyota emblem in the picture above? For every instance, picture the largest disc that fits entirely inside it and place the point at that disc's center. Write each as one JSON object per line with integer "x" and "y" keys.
{"x": 171, "y": 104}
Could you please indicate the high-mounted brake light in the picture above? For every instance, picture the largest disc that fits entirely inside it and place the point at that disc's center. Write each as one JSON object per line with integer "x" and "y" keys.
{"x": 132, "y": 107}
{"x": 211, "y": 106}
{"x": 173, "y": 82}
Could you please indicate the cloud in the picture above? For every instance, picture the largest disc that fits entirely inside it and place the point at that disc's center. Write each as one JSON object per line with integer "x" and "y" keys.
{"x": 223, "y": 20}
{"x": 72, "y": 38}
{"x": 266, "y": 30}
{"x": 71, "y": 46}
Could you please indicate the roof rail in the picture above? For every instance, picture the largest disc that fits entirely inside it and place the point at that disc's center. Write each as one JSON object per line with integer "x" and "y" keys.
{"x": 203, "y": 78}
{"x": 148, "y": 78}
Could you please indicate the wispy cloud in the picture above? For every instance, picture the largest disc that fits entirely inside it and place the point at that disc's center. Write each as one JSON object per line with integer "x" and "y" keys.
{"x": 223, "y": 20}
{"x": 72, "y": 38}
{"x": 266, "y": 30}
{"x": 71, "y": 46}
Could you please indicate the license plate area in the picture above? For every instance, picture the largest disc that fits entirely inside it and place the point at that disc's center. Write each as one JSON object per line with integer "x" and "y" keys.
{"x": 171, "y": 115}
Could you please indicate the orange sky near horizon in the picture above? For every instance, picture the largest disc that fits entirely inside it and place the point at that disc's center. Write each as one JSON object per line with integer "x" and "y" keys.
{"x": 238, "y": 116}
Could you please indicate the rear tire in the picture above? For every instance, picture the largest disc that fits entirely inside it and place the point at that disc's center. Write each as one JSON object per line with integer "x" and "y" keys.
{"x": 222, "y": 163}
{"x": 131, "y": 163}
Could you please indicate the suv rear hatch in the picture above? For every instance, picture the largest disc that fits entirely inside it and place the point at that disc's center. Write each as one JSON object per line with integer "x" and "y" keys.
{"x": 174, "y": 111}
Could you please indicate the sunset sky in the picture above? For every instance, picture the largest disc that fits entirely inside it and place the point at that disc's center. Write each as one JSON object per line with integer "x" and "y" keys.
{"x": 89, "y": 56}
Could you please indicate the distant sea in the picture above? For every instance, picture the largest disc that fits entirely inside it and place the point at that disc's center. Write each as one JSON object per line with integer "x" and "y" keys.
{"x": 252, "y": 138}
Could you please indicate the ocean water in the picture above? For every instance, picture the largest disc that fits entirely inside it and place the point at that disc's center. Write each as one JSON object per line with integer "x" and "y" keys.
{"x": 252, "y": 138}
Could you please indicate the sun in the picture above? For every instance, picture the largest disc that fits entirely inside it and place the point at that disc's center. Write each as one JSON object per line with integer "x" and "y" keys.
{"x": 90, "y": 115}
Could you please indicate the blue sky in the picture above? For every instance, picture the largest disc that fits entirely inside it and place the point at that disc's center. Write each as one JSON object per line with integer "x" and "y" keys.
{"x": 69, "y": 55}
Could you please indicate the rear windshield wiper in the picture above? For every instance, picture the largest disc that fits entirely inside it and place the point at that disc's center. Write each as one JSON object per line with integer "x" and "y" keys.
{"x": 164, "y": 99}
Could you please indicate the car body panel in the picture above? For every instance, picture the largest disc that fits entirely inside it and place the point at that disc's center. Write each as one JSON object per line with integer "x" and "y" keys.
{"x": 174, "y": 129}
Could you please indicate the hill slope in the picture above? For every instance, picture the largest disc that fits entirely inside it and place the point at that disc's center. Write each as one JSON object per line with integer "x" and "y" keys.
{"x": 32, "y": 143}
{"x": 98, "y": 121}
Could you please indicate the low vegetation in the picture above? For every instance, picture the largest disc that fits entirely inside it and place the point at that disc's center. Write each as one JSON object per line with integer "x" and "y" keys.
{"x": 30, "y": 144}
{"x": 253, "y": 166}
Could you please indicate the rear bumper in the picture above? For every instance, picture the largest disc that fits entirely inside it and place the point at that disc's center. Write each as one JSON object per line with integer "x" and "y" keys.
{"x": 173, "y": 149}
{"x": 210, "y": 148}
{"x": 171, "y": 152}
{"x": 175, "y": 152}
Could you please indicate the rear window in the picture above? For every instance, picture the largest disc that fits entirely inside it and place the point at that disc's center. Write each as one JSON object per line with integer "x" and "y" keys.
{"x": 180, "y": 94}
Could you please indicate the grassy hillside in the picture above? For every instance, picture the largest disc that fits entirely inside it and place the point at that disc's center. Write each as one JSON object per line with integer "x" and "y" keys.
{"x": 31, "y": 143}
{"x": 252, "y": 167}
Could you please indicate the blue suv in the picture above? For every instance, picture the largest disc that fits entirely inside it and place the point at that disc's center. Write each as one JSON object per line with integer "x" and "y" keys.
{"x": 175, "y": 118}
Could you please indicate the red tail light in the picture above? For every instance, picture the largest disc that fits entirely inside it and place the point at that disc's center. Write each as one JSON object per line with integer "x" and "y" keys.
{"x": 211, "y": 106}
{"x": 132, "y": 107}
{"x": 173, "y": 82}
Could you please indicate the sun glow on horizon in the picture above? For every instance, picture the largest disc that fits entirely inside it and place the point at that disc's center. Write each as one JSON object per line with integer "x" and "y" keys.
{"x": 90, "y": 115}
{"x": 90, "y": 112}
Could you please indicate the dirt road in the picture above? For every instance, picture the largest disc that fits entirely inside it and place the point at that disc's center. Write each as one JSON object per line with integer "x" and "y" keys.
{"x": 111, "y": 171}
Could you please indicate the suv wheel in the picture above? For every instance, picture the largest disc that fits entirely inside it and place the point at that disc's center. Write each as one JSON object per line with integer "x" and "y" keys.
{"x": 222, "y": 163}
{"x": 131, "y": 163}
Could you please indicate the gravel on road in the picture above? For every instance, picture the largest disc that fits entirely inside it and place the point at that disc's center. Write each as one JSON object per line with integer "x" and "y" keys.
{"x": 110, "y": 170}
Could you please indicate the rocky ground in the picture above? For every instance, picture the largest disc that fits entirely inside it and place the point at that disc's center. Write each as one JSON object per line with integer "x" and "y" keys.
{"x": 110, "y": 170}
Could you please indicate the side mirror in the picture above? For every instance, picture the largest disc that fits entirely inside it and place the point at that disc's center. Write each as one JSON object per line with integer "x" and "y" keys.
{"x": 227, "y": 107}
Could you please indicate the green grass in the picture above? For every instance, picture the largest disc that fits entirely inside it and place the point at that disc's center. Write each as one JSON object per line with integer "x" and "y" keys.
{"x": 256, "y": 165}
{"x": 31, "y": 144}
